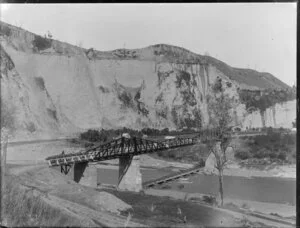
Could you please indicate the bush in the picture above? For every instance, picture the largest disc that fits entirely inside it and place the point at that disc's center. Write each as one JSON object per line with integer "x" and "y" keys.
{"x": 39, "y": 81}
{"x": 30, "y": 127}
{"x": 242, "y": 154}
{"x": 282, "y": 156}
{"x": 4, "y": 30}
{"x": 90, "y": 135}
{"x": 52, "y": 113}
{"x": 41, "y": 43}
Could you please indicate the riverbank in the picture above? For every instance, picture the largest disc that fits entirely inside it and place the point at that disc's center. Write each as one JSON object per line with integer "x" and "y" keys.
{"x": 269, "y": 211}
{"x": 282, "y": 171}
{"x": 232, "y": 169}
{"x": 70, "y": 203}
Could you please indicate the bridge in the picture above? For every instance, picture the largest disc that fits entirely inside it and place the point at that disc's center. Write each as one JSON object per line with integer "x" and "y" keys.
{"x": 126, "y": 149}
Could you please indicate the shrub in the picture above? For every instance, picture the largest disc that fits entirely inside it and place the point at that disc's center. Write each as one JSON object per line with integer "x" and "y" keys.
{"x": 282, "y": 156}
{"x": 242, "y": 154}
{"x": 41, "y": 43}
{"x": 4, "y": 30}
{"x": 126, "y": 99}
{"x": 90, "y": 135}
{"x": 40, "y": 83}
{"x": 52, "y": 113}
{"x": 31, "y": 127}
{"x": 229, "y": 84}
{"x": 210, "y": 199}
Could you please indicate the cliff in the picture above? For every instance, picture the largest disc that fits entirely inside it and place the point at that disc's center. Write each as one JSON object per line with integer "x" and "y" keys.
{"x": 55, "y": 88}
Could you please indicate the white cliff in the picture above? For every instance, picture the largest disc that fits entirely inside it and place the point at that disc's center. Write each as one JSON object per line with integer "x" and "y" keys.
{"x": 64, "y": 89}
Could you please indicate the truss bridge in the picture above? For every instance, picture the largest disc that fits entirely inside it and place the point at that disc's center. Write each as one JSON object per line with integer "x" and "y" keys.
{"x": 126, "y": 149}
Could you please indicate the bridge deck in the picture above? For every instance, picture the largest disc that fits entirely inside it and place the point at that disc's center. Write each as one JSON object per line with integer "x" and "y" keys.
{"x": 118, "y": 148}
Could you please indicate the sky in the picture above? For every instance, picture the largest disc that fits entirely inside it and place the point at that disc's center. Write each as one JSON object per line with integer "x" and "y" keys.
{"x": 260, "y": 36}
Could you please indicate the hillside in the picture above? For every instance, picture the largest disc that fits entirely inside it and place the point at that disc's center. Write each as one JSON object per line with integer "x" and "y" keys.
{"x": 53, "y": 88}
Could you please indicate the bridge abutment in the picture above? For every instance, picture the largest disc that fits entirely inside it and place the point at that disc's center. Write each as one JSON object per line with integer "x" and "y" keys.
{"x": 130, "y": 177}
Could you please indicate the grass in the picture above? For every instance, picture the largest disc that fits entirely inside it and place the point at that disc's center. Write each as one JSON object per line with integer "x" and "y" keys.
{"x": 24, "y": 206}
{"x": 157, "y": 211}
{"x": 166, "y": 212}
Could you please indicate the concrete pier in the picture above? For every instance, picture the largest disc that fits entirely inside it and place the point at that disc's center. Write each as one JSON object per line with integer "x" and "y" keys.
{"x": 130, "y": 177}
{"x": 85, "y": 174}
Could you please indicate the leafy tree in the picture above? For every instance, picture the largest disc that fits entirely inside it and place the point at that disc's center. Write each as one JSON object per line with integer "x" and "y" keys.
{"x": 220, "y": 110}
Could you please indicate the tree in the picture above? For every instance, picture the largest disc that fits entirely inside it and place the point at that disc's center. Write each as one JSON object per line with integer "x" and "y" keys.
{"x": 294, "y": 123}
{"x": 220, "y": 110}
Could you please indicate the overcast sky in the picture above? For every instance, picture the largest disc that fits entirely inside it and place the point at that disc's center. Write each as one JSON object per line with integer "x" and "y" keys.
{"x": 260, "y": 36}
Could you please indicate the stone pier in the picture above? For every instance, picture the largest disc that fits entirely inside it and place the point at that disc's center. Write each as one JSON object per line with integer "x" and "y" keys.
{"x": 83, "y": 173}
{"x": 130, "y": 178}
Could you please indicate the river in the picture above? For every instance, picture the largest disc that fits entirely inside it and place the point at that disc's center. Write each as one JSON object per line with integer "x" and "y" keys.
{"x": 262, "y": 189}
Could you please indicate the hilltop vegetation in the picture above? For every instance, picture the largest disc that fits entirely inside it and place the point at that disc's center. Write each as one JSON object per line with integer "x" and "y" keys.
{"x": 276, "y": 147}
{"x": 103, "y": 135}
{"x": 261, "y": 100}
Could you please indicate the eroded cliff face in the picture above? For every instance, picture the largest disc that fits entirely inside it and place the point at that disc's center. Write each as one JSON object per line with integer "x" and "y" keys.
{"x": 57, "y": 88}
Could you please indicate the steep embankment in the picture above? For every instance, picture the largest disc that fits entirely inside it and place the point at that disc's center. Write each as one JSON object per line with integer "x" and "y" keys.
{"x": 39, "y": 196}
{"x": 57, "y": 88}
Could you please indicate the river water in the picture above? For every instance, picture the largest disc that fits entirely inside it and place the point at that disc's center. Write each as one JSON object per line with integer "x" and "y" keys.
{"x": 262, "y": 189}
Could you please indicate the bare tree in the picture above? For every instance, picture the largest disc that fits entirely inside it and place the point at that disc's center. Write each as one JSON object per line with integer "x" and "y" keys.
{"x": 220, "y": 109}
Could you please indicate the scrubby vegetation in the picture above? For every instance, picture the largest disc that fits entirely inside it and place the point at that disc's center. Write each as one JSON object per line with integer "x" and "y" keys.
{"x": 103, "y": 89}
{"x": 261, "y": 100}
{"x": 276, "y": 146}
{"x": 24, "y": 206}
{"x": 183, "y": 76}
{"x": 126, "y": 99}
{"x": 30, "y": 127}
{"x": 41, "y": 43}
{"x": 190, "y": 154}
{"x": 40, "y": 83}
{"x": 52, "y": 113}
{"x": 107, "y": 135}
{"x": 5, "y": 30}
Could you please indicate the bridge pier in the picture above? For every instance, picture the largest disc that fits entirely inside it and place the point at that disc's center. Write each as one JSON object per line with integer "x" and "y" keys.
{"x": 82, "y": 173}
{"x": 85, "y": 174}
{"x": 130, "y": 178}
